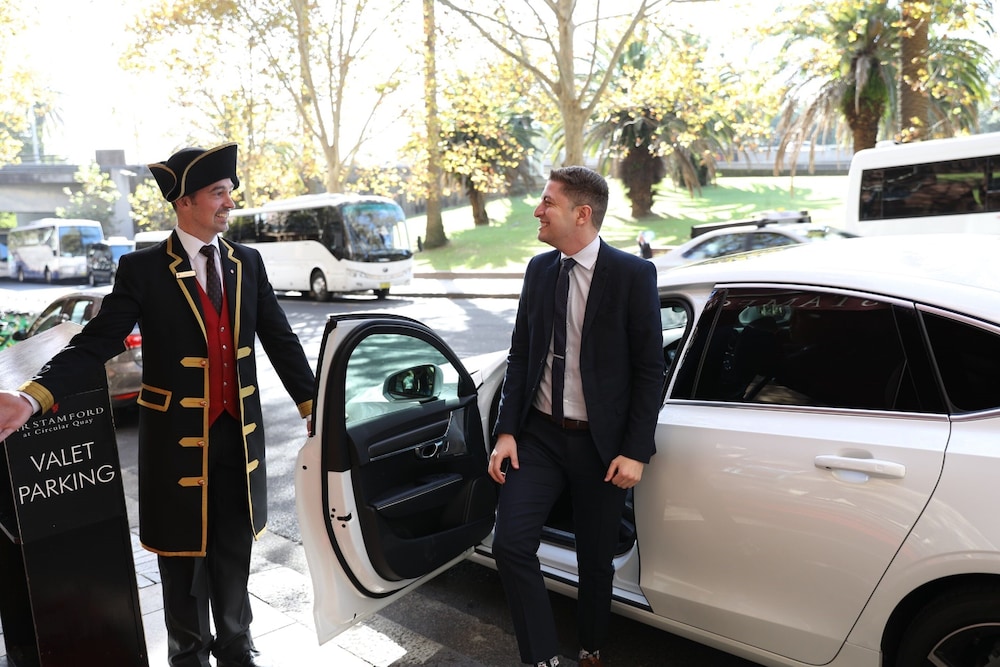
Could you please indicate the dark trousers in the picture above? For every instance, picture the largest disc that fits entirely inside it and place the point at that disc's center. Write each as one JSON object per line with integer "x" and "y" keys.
{"x": 551, "y": 460}
{"x": 191, "y": 585}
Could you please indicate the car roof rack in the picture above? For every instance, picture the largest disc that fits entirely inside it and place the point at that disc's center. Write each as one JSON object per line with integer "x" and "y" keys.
{"x": 762, "y": 220}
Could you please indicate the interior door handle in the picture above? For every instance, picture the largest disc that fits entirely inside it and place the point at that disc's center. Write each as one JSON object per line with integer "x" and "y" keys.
{"x": 873, "y": 467}
{"x": 430, "y": 450}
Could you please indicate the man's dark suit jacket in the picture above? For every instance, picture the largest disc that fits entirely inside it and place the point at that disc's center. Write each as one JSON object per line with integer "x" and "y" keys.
{"x": 157, "y": 288}
{"x": 621, "y": 351}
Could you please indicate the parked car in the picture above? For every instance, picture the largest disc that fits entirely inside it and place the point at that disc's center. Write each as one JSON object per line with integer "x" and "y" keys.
{"x": 732, "y": 240}
{"x": 102, "y": 259}
{"x": 824, "y": 487}
{"x": 124, "y": 370}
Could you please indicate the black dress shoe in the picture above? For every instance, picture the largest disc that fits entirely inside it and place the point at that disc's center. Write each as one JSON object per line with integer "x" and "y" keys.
{"x": 248, "y": 659}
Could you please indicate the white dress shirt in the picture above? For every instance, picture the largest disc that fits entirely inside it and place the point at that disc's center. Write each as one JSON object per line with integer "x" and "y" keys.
{"x": 574, "y": 406}
{"x": 192, "y": 246}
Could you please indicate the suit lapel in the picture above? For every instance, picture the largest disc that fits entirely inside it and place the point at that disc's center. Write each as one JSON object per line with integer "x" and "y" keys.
{"x": 185, "y": 277}
{"x": 232, "y": 283}
{"x": 550, "y": 275}
{"x": 598, "y": 287}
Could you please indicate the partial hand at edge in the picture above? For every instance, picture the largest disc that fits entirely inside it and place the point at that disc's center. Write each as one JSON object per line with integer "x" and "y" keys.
{"x": 506, "y": 448}
{"x": 624, "y": 472}
{"x": 15, "y": 410}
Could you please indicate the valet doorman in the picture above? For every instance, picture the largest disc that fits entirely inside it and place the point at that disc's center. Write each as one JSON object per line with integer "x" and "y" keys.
{"x": 202, "y": 478}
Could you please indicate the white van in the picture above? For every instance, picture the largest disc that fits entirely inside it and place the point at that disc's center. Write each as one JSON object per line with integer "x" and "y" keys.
{"x": 940, "y": 185}
{"x": 146, "y": 239}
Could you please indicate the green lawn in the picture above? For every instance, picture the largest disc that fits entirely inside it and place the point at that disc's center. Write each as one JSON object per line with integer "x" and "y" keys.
{"x": 511, "y": 238}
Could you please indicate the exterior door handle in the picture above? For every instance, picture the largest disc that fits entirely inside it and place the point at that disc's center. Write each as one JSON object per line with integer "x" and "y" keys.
{"x": 872, "y": 467}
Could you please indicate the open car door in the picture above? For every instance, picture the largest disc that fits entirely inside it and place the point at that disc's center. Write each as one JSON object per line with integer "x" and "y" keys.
{"x": 392, "y": 485}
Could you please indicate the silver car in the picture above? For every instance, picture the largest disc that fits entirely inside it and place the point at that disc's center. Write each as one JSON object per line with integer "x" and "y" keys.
{"x": 824, "y": 488}
{"x": 743, "y": 238}
{"x": 124, "y": 370}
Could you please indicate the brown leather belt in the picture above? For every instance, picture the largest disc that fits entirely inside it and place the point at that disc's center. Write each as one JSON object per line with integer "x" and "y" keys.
{"x": 568, "y": 424}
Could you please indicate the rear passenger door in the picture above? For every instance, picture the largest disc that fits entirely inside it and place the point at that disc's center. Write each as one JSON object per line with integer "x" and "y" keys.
{"x": 801, "y": 438}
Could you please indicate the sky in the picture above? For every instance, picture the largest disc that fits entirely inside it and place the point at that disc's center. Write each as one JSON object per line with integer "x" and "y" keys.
{"x": 101, "y": 107}
{"x": 76, "y": 44}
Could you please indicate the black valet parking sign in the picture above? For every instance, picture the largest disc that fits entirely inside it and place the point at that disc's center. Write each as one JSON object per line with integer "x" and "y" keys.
{"x": 64, "y": 468}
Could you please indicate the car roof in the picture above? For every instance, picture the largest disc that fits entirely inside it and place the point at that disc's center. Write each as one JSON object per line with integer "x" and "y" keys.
{"x": 100, "y": 291}
{"x": 951, "y": 271}
{"x": 797, "y": 231}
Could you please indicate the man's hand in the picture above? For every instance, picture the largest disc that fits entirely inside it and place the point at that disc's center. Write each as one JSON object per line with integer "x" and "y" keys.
{"x": 624, "y": 472}
{"x": 15, "y": 410}
{"x": 506, "y": 448}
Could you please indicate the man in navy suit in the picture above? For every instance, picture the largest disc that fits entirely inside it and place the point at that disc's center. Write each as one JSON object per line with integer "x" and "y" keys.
{"x": 200, "y": 302}
{"x": 596, "y": 440}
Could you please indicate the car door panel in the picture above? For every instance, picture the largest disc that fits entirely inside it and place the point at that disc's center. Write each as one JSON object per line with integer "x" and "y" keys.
{"x": 392, "y": 488}
{"x": 746, "y": 520}
{"x": 801, "y": 441}
{"x": 425, "y": 500}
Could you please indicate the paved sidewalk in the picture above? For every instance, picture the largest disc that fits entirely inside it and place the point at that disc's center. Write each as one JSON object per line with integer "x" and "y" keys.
{"x": 480, "y": 284}
{"x": 283, "y": 629}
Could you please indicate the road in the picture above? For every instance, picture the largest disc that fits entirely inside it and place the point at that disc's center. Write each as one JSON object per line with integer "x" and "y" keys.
{"x": 462, "y": 613}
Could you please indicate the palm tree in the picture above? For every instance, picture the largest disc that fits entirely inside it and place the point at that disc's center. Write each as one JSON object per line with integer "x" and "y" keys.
{"x": 630, "y": 135}
{"x": 942, "y": 81}
{"x": 856, "y": 88}
{"x": 853, "y": 79}
{"x": 664, "y": 120}
{"x": 914, "y": 42}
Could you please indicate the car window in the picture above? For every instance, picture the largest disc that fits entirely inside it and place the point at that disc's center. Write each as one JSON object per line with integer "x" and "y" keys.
{"x": 49, "y": 318}
{"x": 815, "y": 349}
{"x": 394, "y": 372}
{"x": 769, "y": 240}
{"x": 673, "y": 321}
{"x": 723, "y": 244}
{"x": 968, "y": 358}
{"x": 82, "y": 311}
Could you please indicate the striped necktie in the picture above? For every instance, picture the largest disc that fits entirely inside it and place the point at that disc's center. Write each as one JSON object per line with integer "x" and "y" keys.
{"x": 213, "y": 287}
{"x": 559, "y": 337}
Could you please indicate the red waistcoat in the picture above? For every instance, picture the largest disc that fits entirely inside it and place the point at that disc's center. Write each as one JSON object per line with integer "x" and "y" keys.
{"x": 223, "y": 392}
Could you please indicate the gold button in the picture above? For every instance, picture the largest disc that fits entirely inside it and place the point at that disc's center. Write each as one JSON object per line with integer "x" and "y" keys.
{"x": 201, "y": 482}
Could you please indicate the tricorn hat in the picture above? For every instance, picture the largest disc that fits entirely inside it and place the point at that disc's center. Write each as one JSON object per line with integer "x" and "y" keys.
{"x": 190, "y": 169}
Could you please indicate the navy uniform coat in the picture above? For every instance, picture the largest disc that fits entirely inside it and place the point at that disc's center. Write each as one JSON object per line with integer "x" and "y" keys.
{"x": 157, "y": 288}
{"x": 621, "y": 351}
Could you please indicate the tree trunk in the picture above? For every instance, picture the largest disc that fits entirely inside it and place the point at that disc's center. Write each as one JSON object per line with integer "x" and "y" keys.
{"x": 640, "y": 170}
{"x": 865, "y": 123}
{"x": 434, "y": 234}
{"x": 913, "y": 99}
{"x": 478, "y": 202}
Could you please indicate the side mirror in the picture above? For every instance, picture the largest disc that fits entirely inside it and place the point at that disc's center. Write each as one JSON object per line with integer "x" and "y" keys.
{"x": 414, "y": 383}
{"x": 20, "y": 334}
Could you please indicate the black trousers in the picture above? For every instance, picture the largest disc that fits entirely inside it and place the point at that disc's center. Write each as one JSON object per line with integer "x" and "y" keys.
{"x": 551, "y": 460}
{"x": 193, "y": 585}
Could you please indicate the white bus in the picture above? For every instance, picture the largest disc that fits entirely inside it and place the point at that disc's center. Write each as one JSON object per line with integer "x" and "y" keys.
{"x": 940, "y": 185}
{"x": 51, "y": 249}
{"x": 146, "y": 239}
{"x": 329, "y": 243}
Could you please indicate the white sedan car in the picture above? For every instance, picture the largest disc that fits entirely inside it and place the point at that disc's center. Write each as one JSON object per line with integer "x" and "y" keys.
{"x": 743, "y": 238}
{"x": 825, "y": 486}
